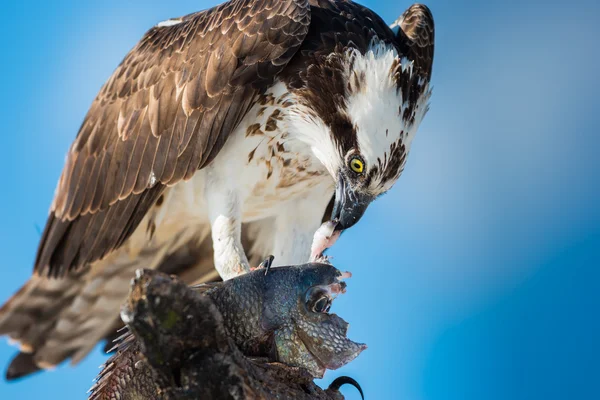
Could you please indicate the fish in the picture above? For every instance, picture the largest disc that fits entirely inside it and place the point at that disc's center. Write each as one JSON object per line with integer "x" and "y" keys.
{"x": 287, "y": 310}
{"x": 281, "y": 315}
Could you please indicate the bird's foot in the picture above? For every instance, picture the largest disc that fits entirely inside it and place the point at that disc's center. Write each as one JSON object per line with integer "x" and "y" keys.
{"x": 324, "y": 238}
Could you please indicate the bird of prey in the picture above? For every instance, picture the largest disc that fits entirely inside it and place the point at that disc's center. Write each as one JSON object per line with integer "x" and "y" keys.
{"x": 221, "y": 138}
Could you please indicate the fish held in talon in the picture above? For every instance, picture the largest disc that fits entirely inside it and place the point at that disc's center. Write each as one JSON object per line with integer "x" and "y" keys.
{"x": 290, "y": 305}
{"x": 282, "y": 316}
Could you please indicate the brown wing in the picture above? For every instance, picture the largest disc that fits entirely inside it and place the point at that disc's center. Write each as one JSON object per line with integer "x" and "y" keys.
{"x": 416, "y": 37}
{"x": 165, "y": 113}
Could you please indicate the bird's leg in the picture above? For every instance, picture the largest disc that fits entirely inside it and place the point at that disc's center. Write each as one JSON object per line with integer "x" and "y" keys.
{"x": 226, "y": 224}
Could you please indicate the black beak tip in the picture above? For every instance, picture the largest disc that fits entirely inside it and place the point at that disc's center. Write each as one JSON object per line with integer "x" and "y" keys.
{"x": 347, "y": 223}
{"x": 350, "y": 217}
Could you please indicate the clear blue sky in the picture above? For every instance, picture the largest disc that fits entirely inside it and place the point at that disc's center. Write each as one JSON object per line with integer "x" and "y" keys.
{"x": 475, "y": 278}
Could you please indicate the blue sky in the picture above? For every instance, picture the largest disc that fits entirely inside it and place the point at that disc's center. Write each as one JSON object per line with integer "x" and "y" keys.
{"x": 476, "y": 277}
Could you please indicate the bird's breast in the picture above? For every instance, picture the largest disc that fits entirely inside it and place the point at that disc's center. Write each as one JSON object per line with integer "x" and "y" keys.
{"x": 262, "y": 160}
{"x": 278, "y": 166}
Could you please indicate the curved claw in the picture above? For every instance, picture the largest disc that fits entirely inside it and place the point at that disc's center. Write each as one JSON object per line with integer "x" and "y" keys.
{"x": 266, "y": 264}
{"x": 343, "y": 380}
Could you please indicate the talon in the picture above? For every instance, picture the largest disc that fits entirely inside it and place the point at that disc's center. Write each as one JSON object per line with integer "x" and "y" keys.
{"x": 343, "y": 380}
{"x": 321, "y": 259}
{"x": 266, "y": 264}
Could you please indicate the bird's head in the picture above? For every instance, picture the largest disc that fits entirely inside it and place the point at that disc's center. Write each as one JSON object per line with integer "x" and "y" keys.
{"x": 361, "y": 112}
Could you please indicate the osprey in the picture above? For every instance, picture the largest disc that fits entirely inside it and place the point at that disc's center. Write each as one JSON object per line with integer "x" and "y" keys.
{"x": 220, "y": 139}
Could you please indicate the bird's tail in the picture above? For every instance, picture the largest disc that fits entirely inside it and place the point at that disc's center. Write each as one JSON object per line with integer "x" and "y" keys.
{"x": 56, "y": 319}
{"x": 53, "y": 319}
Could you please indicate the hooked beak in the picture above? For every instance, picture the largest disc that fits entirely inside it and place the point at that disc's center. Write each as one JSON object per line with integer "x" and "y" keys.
{"x": 349, "y": 205}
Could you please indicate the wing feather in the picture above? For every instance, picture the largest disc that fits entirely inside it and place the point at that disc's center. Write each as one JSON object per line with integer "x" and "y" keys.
{"x": 416, "y": 37}
{"x": 165, "y": 113}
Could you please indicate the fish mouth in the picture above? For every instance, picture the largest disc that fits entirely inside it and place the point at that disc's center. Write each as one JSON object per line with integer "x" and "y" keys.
{"x": 331, "y": 290}
{"x": 339, "y": 286}
{"x": 344, "y": 275}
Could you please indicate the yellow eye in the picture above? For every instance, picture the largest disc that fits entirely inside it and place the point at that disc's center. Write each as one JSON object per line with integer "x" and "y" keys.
{"x": 357, "y": 165}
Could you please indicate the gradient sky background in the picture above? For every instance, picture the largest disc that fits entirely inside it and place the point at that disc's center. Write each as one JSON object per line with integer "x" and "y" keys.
{"x": 476, "y": 277}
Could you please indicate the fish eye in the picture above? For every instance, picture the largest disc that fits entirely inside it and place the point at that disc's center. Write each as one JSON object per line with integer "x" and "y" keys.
{"x": 357, "y": 165}
{"x": 322, "y": 305}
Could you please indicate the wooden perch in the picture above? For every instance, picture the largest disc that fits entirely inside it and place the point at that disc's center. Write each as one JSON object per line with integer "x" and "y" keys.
{"x": 176, "y": 348}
